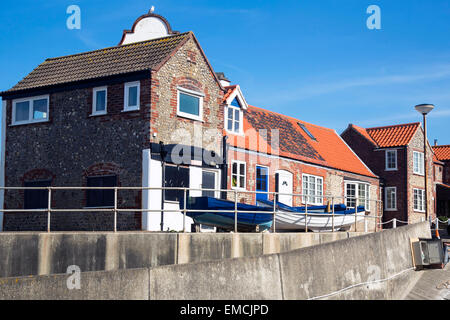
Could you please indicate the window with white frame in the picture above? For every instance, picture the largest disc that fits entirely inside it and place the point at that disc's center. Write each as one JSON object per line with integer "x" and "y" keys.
{"x": 312, "y": 189}
{"x": 418, "y": 163}
{"x": 391, "y": 159}
{"x": 357, "y": 190}
{"x": 238, "y": 174}
{"x": 190, "y": 104}
{"x": 99, "y": 100}
{"x": 30, "y": 110}
{"x": 131, "y": 96}
{"x": 234, "y": 117}
{"x": 390, "y": 198}
{"x": 419, "y": 200}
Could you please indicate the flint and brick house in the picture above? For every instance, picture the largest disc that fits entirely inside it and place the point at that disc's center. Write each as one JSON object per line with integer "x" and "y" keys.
{"x": 98, "y": 118}
{"x": 442, "y": 179}
{"x": 150, "y": 112}
{"x": 396, "y": 154}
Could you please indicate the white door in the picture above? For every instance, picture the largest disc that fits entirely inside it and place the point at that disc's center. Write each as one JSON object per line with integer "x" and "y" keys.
{"x": 285, "y": 185}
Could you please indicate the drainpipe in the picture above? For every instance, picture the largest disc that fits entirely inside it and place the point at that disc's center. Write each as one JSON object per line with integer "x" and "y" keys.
{"x": 224, "y": 167}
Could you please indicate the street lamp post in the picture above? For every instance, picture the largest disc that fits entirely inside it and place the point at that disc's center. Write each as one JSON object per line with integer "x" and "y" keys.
{"x": 424, "y": 109}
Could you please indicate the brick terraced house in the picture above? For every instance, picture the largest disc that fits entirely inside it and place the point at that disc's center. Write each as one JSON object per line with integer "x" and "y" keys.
{"x": 271, "y": 152}
{"x": 396, "y": 154}
{"x": 442, "y": 179}
{"x": 150, "y": 112}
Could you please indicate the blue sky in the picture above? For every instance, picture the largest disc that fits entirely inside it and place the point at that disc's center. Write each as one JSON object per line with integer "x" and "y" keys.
{"x": 314, "y": 60}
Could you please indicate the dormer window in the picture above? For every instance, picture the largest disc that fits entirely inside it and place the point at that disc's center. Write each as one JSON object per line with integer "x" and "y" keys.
{"x": 235, "y": 105}
{"x": 234, "y": 117}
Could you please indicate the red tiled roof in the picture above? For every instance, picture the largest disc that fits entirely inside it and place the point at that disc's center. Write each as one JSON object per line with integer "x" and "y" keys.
{"x": 327, "y": 149}
{"x": 229, "y": 91}
{"x": 442, "y": 152}
{"x": 364, "y": 133}
{"x": 392, "y": 136}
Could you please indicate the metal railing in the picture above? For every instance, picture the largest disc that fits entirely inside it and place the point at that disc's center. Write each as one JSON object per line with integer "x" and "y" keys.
{"x": 331, "y": 200}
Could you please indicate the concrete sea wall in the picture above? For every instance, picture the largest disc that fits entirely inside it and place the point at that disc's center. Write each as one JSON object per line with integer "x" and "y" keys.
{"x": 311, "y": 272}
{"x": 23, "y": 254}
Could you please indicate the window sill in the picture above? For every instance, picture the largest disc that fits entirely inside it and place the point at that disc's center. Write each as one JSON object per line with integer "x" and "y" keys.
{"x": 130, "y": 110}
{"x": 234, "y": 133}
{"x": 419, "y": 174}
{"x": 390, "y": 209}
{"x": 392, "y": 169}
{"x": 238, "y": 189}
{"x": 187, "y": 116}
{"x": 28, "y": 122}
{"x": 420, "y": 211}
{"x": 98, "y": 114}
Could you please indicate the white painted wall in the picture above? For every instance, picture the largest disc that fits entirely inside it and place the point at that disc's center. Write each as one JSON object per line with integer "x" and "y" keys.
{"x": 151, "y": 199}
{"x": 147, "y": 29}
{"x": 2, "y": 162}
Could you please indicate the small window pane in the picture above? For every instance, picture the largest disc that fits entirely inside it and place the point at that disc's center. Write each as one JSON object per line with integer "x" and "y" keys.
{"x": 40, "y": 109}
{"x": 230, "y": 114}
{"x": 242, "y": 168}
{"x": 241, "y": 181}
{"x": 230, "y": 125}
{"x": 100, "y": 100}
{"x": 132, "y": 96}
{"x": 235, "y": 168}
{"x": 189, "y": 104}
{"x": 22, "y": 111}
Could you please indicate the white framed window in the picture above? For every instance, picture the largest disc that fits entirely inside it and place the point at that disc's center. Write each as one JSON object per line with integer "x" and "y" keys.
{"x": 233, "y": 120}
{"x": 391, "y": 159}
{"x": 190, "y": 104}
{"x": 418, "y": 163}
{"x": 419, "y": 200}
{"x": 390, "y": 201}
{"x": 30, "y": 110}
{"x": 357, "y": 190}
{"x": 99, "y": 100}
{"x": 238, "y": 174}
{"x": 312, "y": 189}
{"x": 132, "y": 96}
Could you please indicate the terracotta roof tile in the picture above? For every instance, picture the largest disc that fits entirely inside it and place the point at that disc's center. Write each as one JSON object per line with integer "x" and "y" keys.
{"x": 117, "y": 60}
{"x": 442, "y": 152}
{"x": 393, "y": 136}
{"x": 229, "y": 91}
{"x": 327, "y": 149}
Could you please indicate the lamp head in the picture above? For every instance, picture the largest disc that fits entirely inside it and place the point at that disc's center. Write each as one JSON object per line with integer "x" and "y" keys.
{"x": 424, "y": 108}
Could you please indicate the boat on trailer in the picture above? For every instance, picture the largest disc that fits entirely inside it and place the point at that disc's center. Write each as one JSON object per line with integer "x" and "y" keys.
{"x": 220, "y": 213}
{"x": 317, "y": 219}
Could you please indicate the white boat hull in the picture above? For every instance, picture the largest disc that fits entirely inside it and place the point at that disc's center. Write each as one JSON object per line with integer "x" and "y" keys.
{"x": 289, "y": 221}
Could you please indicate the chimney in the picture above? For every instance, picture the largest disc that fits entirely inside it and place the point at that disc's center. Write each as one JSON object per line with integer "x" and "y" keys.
{"x": 223, "y": 80}
{"x": 435, "y": 142}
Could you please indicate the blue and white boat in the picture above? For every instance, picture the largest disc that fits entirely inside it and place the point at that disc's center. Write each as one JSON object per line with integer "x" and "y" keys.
{"x": 316, "y": 219}
{"x": 220, "y": 213}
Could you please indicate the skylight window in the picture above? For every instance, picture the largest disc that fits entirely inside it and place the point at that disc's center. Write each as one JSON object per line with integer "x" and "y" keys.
{"x": 306, "y": 130}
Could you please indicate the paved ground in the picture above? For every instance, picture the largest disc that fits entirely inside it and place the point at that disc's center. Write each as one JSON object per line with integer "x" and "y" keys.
{"x": 434, "y": 284}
